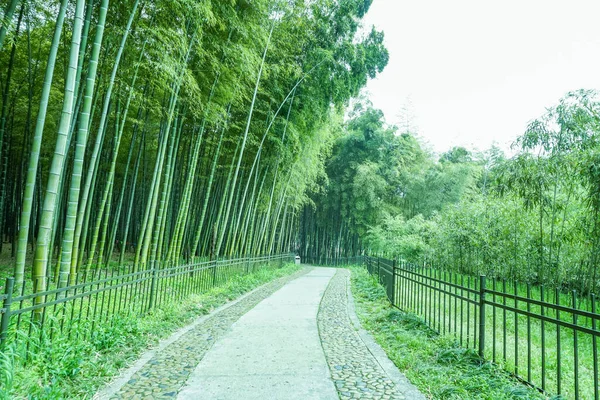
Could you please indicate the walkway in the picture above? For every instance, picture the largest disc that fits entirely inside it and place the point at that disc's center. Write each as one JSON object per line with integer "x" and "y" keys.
{"x": 294, "y": 338}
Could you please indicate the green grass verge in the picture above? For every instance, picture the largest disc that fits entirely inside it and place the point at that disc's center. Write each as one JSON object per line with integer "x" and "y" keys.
{"x": 77, "y": 369}
{"x": 435, "y": 364}
{"x": 518, "y": 343}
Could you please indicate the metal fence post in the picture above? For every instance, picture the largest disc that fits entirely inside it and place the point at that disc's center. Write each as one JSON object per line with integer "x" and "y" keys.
{"x": 481, "y": 315}
{"x": 153, "y": 286}
{"x": 393, "y": 282}
{"x": 10, "y": 283}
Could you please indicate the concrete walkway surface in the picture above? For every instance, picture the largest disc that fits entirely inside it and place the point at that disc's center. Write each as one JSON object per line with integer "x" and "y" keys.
{"x": 295, "y": 338}
{"x": 272, "y": 352}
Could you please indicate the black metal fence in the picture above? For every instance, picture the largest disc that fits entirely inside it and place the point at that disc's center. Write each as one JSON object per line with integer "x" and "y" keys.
{"x": 546, "y": 338}
{"x": 99, "y": 297}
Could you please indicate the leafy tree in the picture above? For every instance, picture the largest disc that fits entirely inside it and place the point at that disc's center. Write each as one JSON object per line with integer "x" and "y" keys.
{"x": 532, "y": 217}
{"x": 162, "y": 130}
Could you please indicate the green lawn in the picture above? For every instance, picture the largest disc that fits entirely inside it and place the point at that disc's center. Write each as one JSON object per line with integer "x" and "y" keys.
{"x": 436, "y": 364}
{"x": 514, "y": 341}
{"x": 79, "y": 367}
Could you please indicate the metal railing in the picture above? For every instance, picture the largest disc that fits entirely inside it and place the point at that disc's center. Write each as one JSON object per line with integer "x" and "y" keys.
{"x": 34, "y": 320}
{"x": 546, "y": 338}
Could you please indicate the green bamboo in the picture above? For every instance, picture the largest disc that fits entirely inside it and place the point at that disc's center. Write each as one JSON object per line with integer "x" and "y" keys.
{"x": 92, "y": 170}
{"x": 270, "y": 125}
{"x": 115, "y": 227}
{"x": 275, "y": 221}
{"x": 250, "y": 248}
{"x": 56, "y": 168}
{"x": 152, "y": 205}
{"x": 221, "y": 221}
{"x": 241, "y": 243}
{"x": 104, "y": 211}
{"x": 245, "y": 138}
{"x": 207, "y": 197}
{"x": 268, "y": 216}
{"x": 281, "y": 241}
{"x": 34, "y": 155}
{"x": 67, "y": 268}
{"x": 3, "y": 116}
{"x": 111, "y": 174}
{"x": 78, "y": 258}
{"x": 175, "y": 248}
{"x": 163, "y": 139}
{"x": 131, "y": 200}
{"x": 161, "y": 222}
{"x": 6, "y": 20}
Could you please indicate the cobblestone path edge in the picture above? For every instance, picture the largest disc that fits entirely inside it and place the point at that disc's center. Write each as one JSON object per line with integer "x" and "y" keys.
{"x": 400, "y": 381}
{"x": 359, "y": 367}
{"x": 161, "y": 372}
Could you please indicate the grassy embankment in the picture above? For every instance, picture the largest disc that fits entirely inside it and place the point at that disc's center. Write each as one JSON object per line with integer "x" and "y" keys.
{"x": 76, "y": 368}
{"x": 435, "y": 363}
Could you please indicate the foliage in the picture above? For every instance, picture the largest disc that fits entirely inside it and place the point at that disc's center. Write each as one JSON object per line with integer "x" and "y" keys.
{"x": 161, "y": 131}
{"x": 363, "y": 179}
{"x": 437, "y": 365}
{"x": 168, "y": 129}
{"x": 77, "y": 368}
{"x": 532, "y": 217}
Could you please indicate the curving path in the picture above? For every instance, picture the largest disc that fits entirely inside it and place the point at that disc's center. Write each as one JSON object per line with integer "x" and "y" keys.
{"x": 295, "y": 338}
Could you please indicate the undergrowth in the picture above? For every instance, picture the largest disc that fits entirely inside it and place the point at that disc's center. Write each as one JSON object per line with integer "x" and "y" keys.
{"x": 77, "y": 368}
{"x": 435, "y": 364}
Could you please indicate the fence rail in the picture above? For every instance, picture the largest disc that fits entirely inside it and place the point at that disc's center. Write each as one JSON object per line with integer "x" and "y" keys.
{"x": 546, "y": 338}
{"x": 32, "y": 320}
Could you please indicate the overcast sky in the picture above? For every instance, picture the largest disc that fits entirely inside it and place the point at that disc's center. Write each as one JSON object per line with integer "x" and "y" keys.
{"x": 477, "y": 71}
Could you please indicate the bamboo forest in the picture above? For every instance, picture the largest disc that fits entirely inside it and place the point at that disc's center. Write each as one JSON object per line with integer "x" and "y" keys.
{"x": 167, "y": 167}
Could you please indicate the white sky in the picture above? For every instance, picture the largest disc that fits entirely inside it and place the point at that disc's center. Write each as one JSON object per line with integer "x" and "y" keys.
{"x": 477, "y": 71}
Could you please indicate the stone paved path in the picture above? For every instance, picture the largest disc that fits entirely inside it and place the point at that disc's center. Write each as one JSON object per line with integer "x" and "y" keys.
{"x": 295, "y": 338}
{"x": 359, "y": 367}
{"x": 272, "y": 352}
{"x": 162, "y": 375}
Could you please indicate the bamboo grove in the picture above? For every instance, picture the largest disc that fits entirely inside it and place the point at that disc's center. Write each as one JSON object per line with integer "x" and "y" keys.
{"x": 532, "y": 217}
{"x": 144, "y": 131}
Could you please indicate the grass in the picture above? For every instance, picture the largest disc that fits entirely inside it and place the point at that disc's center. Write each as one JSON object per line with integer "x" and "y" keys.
{"x": 515, "y": 342}
{"x": 71, "y": 367}
{"x": 436, "y": 364}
